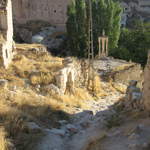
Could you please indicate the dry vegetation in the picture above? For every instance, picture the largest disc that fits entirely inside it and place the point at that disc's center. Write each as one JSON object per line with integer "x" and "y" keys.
{"x": 21, "y": 101}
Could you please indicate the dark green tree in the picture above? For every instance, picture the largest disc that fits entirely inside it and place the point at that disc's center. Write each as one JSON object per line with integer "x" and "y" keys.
{"x": 76, "y": 27}
{"x": 106, "y": 16}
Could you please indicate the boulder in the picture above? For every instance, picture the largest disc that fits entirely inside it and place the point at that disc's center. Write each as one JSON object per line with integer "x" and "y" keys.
{"x": 37, "y": 39}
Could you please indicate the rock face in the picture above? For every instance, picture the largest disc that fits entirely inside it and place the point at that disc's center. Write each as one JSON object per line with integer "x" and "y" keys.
{"x": 50, "y": 37}
{"x": 135, "y": 9}
{"x": 133, "y": 95}
{"x": 146, "y": 88}
{"x": 66, "y": 77}
{"x": 52, "y": 11}
{"x": 6, "y": 33}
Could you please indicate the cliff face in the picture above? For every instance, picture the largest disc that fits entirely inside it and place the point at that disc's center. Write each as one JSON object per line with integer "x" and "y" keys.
{"x": 52, "y": 11}
{"x": 146, "y": 89}
{"x": 135, "y": 9}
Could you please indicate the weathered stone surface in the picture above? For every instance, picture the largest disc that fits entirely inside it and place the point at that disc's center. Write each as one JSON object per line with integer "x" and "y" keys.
{"x": 50, "y": 37}
{"x": 133, "y": 95}
{"x": 66, "y": 77}
{"x": 55, "y": 11}
{"x": 51, "y": 11}
{"x": 37, "y": 39}
{"x": 6, "y": 28}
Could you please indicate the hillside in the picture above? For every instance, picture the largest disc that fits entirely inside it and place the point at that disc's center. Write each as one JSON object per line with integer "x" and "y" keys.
{"x": 31, "y": 110}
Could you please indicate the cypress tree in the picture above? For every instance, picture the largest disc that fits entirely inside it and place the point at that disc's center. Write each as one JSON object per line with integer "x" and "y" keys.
{"x": 106, "y": 16}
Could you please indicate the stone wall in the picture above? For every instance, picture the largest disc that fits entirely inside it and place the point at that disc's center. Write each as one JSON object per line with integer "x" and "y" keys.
{"x": 52, "y": 11}
{"x": 6, "y": 32}
{"x": 119, "y": 70}
{"x": 146, "y": 86}
{"x": 133, "y": 72}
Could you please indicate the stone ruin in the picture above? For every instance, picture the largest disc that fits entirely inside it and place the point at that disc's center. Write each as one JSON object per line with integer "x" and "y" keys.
{"x": 6, "y": 33}
{"x": 133, "y": 96}
{"x": 66, "y": 76}
{"x": 137, "y": 98}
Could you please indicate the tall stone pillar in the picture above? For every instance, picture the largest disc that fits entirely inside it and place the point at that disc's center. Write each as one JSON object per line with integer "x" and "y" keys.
{"x": 6, "y": 32}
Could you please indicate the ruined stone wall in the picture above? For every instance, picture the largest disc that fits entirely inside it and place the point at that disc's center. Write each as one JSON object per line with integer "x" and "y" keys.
{"x": 133, "y": 72}
{"x": 52, "y": 11}
{"x": 6, "y": 31}
{"x": 146, "y": 86}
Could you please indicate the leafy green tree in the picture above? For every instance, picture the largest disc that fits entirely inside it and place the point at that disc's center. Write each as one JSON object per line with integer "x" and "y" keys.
{"x": 106, "y": 16}
{"x": 77, "y": 35}
{"x": 133, "y": 45}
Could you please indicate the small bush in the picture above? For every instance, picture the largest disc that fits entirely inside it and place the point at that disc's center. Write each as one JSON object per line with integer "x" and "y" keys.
{"x": 113, "y": 121}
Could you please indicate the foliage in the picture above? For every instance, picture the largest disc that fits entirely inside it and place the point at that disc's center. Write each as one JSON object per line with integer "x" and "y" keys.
{"x": 106, "y": 16}
{"x": 76, "y": 27}
{"x": 133, "y": 45}
{"x": 113, "y": 121}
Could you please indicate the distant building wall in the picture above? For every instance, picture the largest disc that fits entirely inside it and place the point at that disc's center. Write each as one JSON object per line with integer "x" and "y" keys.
{"x": 52, "y": 11}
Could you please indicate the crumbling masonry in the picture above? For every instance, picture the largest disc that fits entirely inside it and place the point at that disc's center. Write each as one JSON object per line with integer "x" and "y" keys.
{"x": 6, "y": 33}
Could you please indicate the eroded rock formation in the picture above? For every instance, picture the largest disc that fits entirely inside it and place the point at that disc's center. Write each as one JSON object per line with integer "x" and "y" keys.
{"x": 66, "y": 77}
{"x": 6, "y": 32}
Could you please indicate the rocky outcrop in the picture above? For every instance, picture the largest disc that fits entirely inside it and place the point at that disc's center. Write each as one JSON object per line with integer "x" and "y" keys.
{"x": 6, "y": 33}
{"x": 66, "y": 76}
{"x": 133, "y": 96}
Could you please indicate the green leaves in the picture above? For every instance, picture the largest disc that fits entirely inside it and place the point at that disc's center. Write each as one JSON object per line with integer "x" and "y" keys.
{"x": 133, "y": 45}
{"x": 106, "y": 16}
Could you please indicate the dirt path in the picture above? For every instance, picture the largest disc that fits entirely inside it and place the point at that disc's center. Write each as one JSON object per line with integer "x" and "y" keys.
{"x": 85, "y": 128}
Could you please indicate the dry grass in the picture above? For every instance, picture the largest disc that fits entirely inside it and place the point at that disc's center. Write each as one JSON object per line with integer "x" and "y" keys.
{"x": 4, "y": 142}
{"x": 119, "y": 87}
{"x": 20, "y": 101}
{"x": 122, "y": 67}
